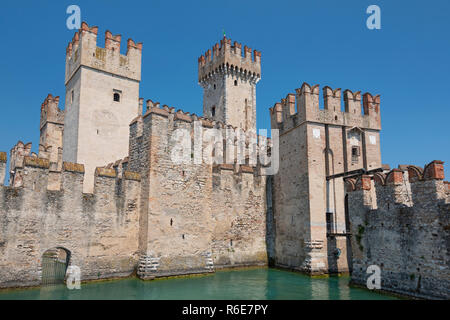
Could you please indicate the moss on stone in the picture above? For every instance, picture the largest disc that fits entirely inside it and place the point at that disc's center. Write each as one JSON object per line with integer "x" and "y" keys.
{"x": 129, "y": 175}
{"x": 105, "y": 172}
{"x": 73, "y": 167}
{"x": 361, "y": 230}
{"x": 36, "y": 162}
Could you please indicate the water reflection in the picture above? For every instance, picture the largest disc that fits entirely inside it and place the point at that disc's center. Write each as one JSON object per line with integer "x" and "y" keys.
{"x": 253, "y": 284}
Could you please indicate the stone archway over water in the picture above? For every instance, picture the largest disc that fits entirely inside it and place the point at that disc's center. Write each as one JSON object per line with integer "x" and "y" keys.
{"x": 54, "y": 265}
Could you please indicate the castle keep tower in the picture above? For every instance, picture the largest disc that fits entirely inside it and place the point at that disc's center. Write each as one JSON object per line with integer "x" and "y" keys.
{"x": 229, "y": 83}
{"x": 102, "y": 97}
{"x": 318, "y": 148}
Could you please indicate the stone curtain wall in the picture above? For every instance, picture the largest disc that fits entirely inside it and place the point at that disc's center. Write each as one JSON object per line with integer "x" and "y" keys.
{"x": 194, "y": 217}
{"x": 238, "y": 212}
{"x": 190, "y": 219}
{"x": 400, "y": 221}
{"x": 100, "y": 230}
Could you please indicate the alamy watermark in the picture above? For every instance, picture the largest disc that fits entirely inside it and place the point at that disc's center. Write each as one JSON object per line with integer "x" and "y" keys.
{"x": 374, "y": 280}
{"x": 374, "y": 20}
{"x": 73, "y": 278}
{"x": 74, "y": 20}
{"x": 229, "y": 146}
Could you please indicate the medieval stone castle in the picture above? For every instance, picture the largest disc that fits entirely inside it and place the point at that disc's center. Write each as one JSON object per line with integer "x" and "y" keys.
{"x": 104, "y": 189}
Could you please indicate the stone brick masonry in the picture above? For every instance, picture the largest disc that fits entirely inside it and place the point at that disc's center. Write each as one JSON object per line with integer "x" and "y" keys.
{"x": 400, "y": 221}
{"x": 100, "y": 230}
{"x": 148, "y": 214}
{"x": 192, "y": 214}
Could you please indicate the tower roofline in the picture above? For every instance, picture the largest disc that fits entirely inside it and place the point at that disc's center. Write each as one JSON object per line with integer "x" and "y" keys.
{"x": 229, "y": 57}
{"x": 83, "y": 51}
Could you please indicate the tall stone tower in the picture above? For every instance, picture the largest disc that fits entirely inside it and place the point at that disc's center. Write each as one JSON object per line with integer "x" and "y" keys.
{"x": 102, "y": 97}
{"x": 318, "y": 149}
{"x": 229, "y": 83}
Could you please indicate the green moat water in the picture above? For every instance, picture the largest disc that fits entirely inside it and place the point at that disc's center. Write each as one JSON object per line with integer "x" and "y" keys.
{"x": 223, "y": 285}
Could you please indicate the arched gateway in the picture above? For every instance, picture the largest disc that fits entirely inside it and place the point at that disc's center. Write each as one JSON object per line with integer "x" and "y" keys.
{"x": 54, "y": 265}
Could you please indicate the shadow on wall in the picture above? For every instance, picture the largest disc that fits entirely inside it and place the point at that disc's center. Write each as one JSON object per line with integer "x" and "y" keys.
{"x": 333, "y": 251}
{"x": 270, "y": 223}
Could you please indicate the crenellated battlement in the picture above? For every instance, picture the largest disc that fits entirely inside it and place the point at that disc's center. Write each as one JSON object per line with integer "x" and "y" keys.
{"x": 170, "y": 119}
{"x": 202, "y": 201}
{"x": 399, "y": 221}
{"x": 401, "y": 186}
{"x": 189, "y": 216}
{"x": 17, "y": 155}
{"x": 304, "y": 106}
{"x": 30, "y": 171}
{"x": 83, "y": 51}
{"x": 100, "y": 229}
{"x": 228, "y": 58}
{"x": 190, "y": 193}
{"x": 50, "y": 111}
{"x": 174, "y": 114}
{"x": 51, "y": 131}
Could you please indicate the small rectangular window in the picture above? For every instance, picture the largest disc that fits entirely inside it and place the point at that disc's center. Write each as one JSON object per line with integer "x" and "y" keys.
{"x": 117, "y": 95}
{"x": 355, "y": 153}
{"x": 329, "y": 221}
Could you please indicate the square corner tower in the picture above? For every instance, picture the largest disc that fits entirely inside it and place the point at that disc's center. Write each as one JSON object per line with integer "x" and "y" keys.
{"x": 102, "y": 98}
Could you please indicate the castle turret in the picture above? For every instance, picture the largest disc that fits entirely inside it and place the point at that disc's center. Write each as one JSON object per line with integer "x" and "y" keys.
{"x": 51, "y": 130}
{"x": 229, "y": 83}
{"x": 318, "y": 147}
{"x": 17, "y": 155}
{"x": 102, "y": 97}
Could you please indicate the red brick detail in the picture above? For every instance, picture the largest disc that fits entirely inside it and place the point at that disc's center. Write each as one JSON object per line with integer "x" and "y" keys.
{"x": 434, "y": 170}
{"x": 395, "y": 177}
{"x": 379, "y": 178}
{"x": 365, "y": 182}
{"x": 415, "y": 173}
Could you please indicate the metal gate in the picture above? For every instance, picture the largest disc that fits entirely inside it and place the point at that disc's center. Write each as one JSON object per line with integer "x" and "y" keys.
{"x": 54, "y": 266}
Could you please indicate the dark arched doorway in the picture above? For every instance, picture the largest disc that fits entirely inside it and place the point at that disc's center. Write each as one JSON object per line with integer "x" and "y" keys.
{"x": 54, "y": 265}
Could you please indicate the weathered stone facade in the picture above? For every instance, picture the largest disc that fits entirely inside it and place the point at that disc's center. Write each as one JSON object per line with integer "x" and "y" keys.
{"x": 100, "y": 230}
{"x": 315, "y": 145}
{"x": 150, "y": 214}
{"x": 400, "y": 222}
{"x": 160, "y": 218}
{"x": 175, "y": 219}
{"x": 204, "y": 213}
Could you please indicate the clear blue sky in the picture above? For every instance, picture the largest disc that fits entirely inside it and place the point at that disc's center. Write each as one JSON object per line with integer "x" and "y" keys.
{"x": 320, "y": 42}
